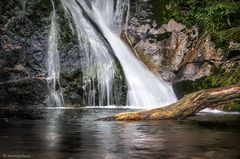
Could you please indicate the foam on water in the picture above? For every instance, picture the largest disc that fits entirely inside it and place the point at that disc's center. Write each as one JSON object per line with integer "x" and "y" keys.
{"x": 215, "y": 111}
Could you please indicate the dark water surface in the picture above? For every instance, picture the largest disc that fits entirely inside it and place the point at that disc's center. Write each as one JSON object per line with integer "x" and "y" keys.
{"x": 73, "y": 133}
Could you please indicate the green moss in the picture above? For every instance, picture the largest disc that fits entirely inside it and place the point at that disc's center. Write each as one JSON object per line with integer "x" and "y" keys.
{"x": 233, "y": 106}
{"x": 120, "y": 86}
{"x": 160, "y": 11}
{"x": 66, "y": 33}
{"x": 80, "y": 81}
{"x": 219, "y": 78}
{"x": 228, "y": 35}
{"x": 219, "y": 17}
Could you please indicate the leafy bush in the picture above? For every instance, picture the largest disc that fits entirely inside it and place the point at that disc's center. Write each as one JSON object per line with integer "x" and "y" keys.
{"x": 219, "y": 17}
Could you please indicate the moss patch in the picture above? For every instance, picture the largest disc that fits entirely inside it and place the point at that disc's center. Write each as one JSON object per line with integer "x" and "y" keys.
{"x": 218, "y": 17}
{"x": 219, "y": 78}
{"x": 67, "y": 35}
{"x": 160, "y": 11}
{"x": 77, "y": 83}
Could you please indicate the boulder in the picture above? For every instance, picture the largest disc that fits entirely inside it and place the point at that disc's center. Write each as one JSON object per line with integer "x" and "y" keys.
{"x": 23, "y": 93}
{"x": 173, "y": 50}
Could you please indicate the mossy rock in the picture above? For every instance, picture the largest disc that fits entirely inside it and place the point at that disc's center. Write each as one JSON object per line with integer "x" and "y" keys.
{"x": 220, "y": 18}
{"x": 219, "y": 78}
{"x": 76, "y": 83}
{"x": 233, "y": 106}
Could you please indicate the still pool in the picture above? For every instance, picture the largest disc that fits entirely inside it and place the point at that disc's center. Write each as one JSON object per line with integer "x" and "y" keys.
{"x": 74, "y": 133}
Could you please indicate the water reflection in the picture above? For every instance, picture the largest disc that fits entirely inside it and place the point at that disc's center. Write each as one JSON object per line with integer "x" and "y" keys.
{"x": 75, "y": 134}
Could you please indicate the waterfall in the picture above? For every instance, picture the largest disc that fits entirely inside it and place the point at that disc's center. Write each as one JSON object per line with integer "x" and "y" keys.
{"x": 145, "y": 88}
{"x": 99, "y": 63}
{"x": 53, "y": 64}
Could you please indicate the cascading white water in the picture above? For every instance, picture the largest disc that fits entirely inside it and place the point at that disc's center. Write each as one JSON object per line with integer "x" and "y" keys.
{"x": 53, "y": 64}
{"x": 113, "y": 12}
{"x": 100, "y": 64}
{"x": 144, "y": 88}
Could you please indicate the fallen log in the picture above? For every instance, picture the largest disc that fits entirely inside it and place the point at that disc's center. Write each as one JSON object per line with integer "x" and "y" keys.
{"x": 188, "y": 106}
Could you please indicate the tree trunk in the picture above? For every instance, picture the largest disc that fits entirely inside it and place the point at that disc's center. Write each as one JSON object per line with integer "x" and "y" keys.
{"x": 188, "y": 106}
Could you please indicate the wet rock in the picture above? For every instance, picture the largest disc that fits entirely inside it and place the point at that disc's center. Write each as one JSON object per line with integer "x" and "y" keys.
{"x": 228, "y": 73}
{"x": 200, "y": 60}
{"x": 24, "y": 27}
{"x": 23, "y": 93}
{"x": 233, "y": 50}
{"x": 24, "y": 35}
{"x": 177, "y": 52}
{"x": 71, "y": 58}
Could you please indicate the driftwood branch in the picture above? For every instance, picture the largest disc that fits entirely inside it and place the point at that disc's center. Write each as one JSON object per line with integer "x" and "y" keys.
{"x": 188, "y": 106}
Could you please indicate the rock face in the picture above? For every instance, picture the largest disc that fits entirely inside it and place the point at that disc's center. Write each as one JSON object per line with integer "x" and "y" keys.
{"x": 173, "y": 50}
{"x": 24, "y": 30}
{"x": 23, "y": 45}
{"x": 23, "y": 93}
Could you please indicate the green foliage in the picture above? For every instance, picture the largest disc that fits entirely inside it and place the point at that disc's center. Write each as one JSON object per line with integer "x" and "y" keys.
{"x": 219, "y": 78}
{"x": 233, "y": 106}
{"x": 160, "y": 11}
{"x": 219, "y": 17}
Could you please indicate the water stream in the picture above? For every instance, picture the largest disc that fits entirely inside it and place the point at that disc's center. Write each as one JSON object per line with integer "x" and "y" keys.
{"x": 53, "y": 65}
{"x": 144, "y": 88}
{"x": 99, "y": 62}
{"x": 96, "y": 21}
